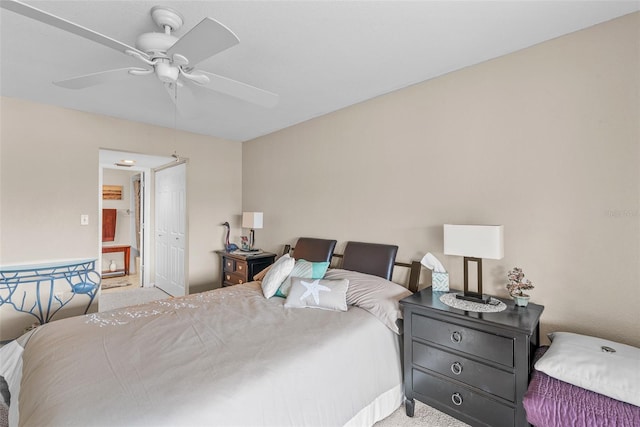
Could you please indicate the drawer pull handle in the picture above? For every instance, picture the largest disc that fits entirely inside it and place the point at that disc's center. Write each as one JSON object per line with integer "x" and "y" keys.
{"x": 456, "y": 399}
{"x": 228, "y": 277}
{"x": 456, "y": 337}
{"x": 240, "y": 281}
{"x": 239, "y": 267}
{"x": 456, "y": 368}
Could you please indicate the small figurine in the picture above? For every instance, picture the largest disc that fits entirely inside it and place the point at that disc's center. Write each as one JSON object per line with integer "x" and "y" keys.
{"x": 229, "y": 247}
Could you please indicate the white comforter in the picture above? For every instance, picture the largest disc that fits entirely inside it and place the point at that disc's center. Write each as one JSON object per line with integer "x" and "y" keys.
{"x": 220, "y": 358}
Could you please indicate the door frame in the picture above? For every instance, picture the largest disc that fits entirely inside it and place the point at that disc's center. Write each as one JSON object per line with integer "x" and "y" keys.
{"x": 147, "y": 241}
{"x": 141, "y": 177}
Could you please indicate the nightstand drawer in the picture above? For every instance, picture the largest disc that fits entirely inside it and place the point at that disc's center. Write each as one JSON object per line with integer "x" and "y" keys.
{"x": 240, "y": 268}
{"x": 232, "y": 265}
{"x": 481, "y": 344}
{"x": 233, "y": 279}
{"x": 475, "y": 374}
{"x": 229, "y": 265}
{"x": 487, "y": 411}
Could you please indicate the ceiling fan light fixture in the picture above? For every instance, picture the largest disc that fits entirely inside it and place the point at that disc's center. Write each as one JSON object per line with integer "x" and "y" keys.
{"x": 166, "y": 72}
{"x": 126, "y": 163}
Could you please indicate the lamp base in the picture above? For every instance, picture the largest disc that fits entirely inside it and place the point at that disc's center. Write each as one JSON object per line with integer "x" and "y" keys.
{"x": 474, "y": 297}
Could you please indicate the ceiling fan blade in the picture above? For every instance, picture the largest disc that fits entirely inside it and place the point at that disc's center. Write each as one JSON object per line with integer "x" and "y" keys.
{"x": 93, "y": 79}
{"x": 203, "y": 41}
{"x": 183, "y": 99}
{"x": 239, "y": 90}
{"x": 55, "y": 21}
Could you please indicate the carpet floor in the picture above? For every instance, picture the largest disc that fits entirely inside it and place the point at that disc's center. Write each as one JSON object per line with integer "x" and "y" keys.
{"x": 423, "y": 416}
{"x": 124, "y": 297}
{"x": 115, "y": 283}
{"x": 130, "y": 282}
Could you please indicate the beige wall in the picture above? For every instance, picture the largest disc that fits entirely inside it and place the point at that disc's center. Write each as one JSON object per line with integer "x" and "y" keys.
{"x": 49, "y": 174}
{"x": 544, "y": 141}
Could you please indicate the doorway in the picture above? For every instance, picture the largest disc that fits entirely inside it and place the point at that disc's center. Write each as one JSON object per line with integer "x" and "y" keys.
{"x": 121, "y": 244}
{"x": 135, "y": 216}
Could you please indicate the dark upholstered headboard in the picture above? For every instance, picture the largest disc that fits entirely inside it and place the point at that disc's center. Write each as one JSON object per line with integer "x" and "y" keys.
{"x": 314, "y": 250}
{"x": 370, "y": 258}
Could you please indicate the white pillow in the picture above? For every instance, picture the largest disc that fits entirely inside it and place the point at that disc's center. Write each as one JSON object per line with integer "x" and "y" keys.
{"x": 318, "y": 293}
{"x": 588, "y": 362}
{"x": 276, "y": 275}
{"x": 372, "y": 293}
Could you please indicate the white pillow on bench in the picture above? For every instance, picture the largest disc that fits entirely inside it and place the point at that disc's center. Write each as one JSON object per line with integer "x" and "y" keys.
{"x": 595, "y": 364}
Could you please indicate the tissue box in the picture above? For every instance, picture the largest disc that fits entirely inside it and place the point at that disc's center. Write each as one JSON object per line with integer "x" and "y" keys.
{"x": 440, "y": 282}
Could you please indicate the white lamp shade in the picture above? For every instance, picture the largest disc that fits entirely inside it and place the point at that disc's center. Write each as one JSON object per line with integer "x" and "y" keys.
{"x": 478, "y": 241}
{"x": 251, "y": 219}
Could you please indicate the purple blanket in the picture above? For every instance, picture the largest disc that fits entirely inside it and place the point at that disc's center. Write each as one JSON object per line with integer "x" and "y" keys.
{"x": 550, "y": 402}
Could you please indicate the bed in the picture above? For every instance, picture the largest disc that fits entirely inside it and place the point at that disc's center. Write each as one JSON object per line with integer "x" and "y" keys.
{"x": 582, "y": 375}
{"x": 225, "y": 357}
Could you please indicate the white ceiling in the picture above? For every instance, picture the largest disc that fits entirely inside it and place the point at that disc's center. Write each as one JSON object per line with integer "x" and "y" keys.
{"x": 319, "y": 56}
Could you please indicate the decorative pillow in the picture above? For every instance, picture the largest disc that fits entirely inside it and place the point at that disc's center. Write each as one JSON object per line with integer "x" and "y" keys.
{"x": 276, "y": 275}
{"x": 318, "y": 293}
{"x": 304, "y": 269}
{"x": 595, "y": 364}
{"x": 374, "y": 294}
{"x": 260, "y": 275}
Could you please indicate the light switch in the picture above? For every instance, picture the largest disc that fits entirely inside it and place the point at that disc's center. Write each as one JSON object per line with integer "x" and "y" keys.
{"x": 84, "y": 219}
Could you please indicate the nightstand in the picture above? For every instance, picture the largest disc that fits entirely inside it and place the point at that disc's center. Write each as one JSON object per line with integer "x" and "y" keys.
{"x": 240, "y": 268}
{"x": 472, "y": 366}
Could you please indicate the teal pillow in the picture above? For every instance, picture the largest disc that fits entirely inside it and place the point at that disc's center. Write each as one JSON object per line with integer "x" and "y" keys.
{"x": 304, "y": 269}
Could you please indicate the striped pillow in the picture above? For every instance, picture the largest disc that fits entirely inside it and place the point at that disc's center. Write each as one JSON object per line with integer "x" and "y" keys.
{"x": 304, "y": 269}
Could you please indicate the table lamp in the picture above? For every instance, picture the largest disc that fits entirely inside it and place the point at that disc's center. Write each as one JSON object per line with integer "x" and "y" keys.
{"x": 252, "y": 220}
{"x": 474, "y": 242}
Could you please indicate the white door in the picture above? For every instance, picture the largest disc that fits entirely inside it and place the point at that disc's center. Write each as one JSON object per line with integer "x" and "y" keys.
{"x": 170, "y": 229}
{"x": 137, "y": 223}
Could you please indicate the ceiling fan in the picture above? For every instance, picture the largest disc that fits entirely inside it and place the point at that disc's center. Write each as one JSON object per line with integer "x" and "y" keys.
{"x": 170, "y": 58}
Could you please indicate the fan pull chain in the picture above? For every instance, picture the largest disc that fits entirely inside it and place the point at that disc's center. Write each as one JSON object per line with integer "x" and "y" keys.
{"x": 175, "y": 114}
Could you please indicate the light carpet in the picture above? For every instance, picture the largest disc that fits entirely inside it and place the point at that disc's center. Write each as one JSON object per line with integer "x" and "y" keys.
{"x": 127, "y": 297}
{"x": 423, "y": 416}
{"x": 115, "y": 283}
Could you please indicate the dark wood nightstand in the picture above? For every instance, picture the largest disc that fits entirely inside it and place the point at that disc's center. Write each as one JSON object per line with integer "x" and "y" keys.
{"x": 240, "y": 268}
{"x": 472, "y": 366}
